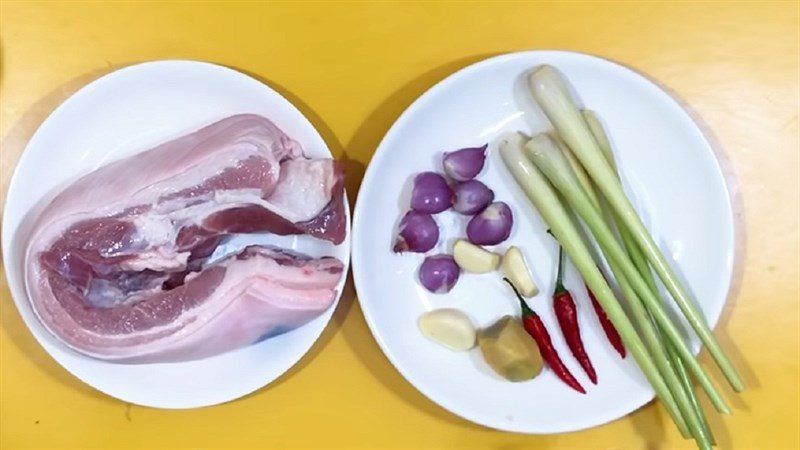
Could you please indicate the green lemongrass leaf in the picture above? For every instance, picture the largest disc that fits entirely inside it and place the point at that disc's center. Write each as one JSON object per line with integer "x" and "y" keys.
{"x": 550, "y": 91}
{"x": 671, "y": 365}
{"x": 545, "y": 155}
{"x": 640, "y": 261}
{"x": 600, "y": 136}
{"x": 555, "y": 167}
{"x": 688, "y": 387}
{"x": 654, "y": 341}
{"x": 546, "y": 201}
{"x": 640, "y": 315}
{"x": 656, "y": 347}
{"x": 580, "y": 172}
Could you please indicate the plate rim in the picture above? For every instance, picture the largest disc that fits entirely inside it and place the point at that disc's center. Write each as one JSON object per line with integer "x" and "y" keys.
{"x": 7, "y": 233}
{"x": 380, "y": 151}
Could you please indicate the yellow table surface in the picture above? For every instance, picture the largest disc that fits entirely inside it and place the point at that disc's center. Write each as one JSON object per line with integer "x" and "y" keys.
{"x": 352, "y": 68}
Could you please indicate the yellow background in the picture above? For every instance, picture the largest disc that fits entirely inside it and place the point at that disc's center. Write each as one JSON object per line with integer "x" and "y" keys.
{"x": 352, "y": 68}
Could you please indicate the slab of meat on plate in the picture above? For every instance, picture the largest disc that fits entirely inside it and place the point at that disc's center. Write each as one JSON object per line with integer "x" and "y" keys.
{"x": 117, "y": 264}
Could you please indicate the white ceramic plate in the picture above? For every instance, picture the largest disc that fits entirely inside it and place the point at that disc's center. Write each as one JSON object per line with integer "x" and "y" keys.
{"x": 665, "y": 160}
{"x": 125, "y": 112}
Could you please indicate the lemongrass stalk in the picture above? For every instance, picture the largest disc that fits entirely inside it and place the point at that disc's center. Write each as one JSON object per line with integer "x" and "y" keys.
{"x": 671, "y": 366}
{"x": 580, "y": 172}
{"x": 641, "y": 317}
{"x": 688, "y": 422}
{"x": 683, "y": 376}
{"x": 601, "y": 137}
{"x": 554, "y": 166}
{"x": 546, "y": 201}
{"x": 641, "y": 264}
{"x": 640, "y": 261}
{"x": 651, "y": 339}
{"x": 550, "y": 91}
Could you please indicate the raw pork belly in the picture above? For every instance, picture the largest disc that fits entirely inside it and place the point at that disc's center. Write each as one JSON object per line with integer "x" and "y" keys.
{"x": 116, "y": 266}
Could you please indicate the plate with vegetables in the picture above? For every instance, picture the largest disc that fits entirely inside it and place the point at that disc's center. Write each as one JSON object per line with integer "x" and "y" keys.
{"x": 542, "y": 243}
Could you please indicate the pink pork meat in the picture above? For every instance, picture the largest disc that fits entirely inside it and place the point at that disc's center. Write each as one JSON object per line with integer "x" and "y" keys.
{"x": 117, "y": 264}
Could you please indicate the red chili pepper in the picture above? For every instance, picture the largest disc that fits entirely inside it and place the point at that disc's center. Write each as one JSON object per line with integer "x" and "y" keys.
{"x": 611, "y": 331}
{"x": 535, "y": 327}
{"x": 567, "y": 315}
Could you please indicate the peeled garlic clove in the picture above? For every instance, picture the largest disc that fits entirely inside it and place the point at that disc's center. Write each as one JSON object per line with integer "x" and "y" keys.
{"x": 517, "y": 270}
{"x": 448, "y": 327}
{"x": 474, "y": 259}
